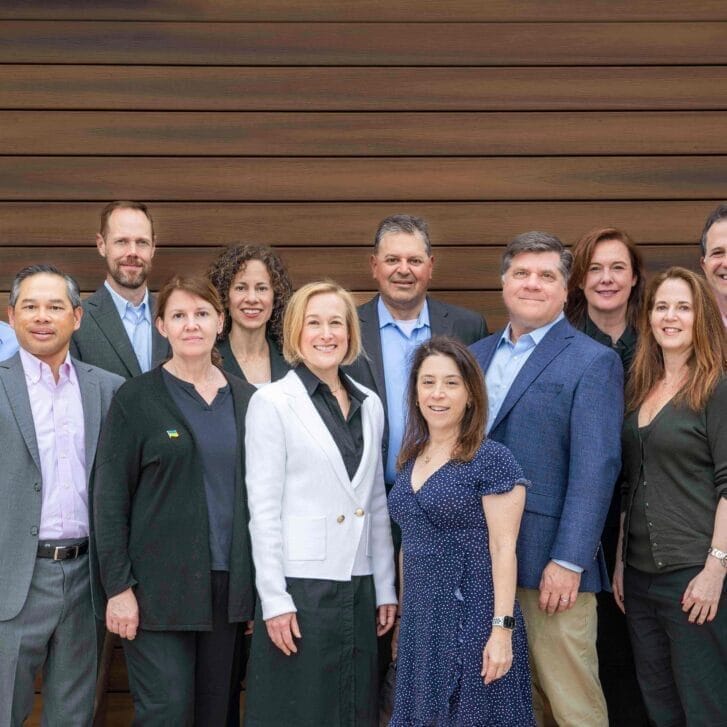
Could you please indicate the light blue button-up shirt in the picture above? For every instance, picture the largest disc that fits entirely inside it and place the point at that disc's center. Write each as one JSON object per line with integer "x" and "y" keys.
{"x": 506, "y": 364}
{"x": 397, "y": 348}
{"x": 133, "y": 316}
{"x": 8, "y": 341}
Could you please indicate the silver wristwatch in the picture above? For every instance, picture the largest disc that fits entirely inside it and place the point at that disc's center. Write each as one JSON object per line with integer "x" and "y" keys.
{"x": 506, "y": 622}
{"x": 720, "y": 555}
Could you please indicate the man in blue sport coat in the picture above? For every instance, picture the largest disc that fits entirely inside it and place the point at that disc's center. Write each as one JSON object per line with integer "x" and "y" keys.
{"x": 555, "y": 399}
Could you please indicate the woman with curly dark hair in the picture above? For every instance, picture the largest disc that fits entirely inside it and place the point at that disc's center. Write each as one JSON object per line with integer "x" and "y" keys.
{"x": 254, "y": 287}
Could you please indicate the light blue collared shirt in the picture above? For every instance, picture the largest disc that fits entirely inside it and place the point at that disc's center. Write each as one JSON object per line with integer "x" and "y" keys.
{"x": 397, "y": 348}
{"x": 506, "y": 364}
{"x": 8, "y": 341}
{"x": 133, "y": 317}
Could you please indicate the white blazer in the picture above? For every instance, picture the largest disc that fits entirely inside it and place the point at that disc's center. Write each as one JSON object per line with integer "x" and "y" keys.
{"x": 307, "y": 517}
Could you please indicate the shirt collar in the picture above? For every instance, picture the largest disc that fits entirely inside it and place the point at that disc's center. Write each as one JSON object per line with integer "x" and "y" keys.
{"x": 535, "y": 336}
{"x": 122, "y": 305}
{"x": 312, "y": 383}
{"x": 386, "y": 319}
{"x": 34, "y": 367}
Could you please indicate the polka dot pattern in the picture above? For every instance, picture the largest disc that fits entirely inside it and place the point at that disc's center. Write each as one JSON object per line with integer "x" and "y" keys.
{"x": 448, "y": 599}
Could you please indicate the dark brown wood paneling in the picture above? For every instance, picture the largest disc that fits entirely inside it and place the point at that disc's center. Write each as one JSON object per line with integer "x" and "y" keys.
{"x": 457, "y": 268}
{"x": 200, "y": 224}
{"x": 299, "y": 179}
{"x": 362, "y": 89}
{"x": 366, "y": 10}
{"x": 364, "y": 44}
{"x": 362, "y": 134}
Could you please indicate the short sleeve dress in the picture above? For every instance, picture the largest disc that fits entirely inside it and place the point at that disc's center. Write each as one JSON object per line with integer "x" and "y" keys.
{"x": 448, "y": 599}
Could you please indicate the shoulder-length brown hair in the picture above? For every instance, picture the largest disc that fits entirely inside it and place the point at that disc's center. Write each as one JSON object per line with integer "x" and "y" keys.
{"x": 709, "y": 346}
{"x": 474, "y": 419}
{"x": 577, "y": 305}
{"x": 194, "y": 285}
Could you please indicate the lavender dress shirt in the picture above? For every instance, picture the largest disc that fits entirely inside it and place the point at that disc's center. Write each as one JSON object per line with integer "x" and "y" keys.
{"x": 59, "y": 430}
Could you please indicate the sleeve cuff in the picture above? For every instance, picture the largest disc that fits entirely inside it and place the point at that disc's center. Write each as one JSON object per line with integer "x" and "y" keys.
{"x": 570, "y": 566}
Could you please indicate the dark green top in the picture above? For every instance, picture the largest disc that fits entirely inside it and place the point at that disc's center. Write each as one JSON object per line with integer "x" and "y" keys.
{"x": 682, "y": 465}
{"x": 150, "y": 524}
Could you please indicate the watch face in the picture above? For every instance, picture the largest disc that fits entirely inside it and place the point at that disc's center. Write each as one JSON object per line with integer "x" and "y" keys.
{"x": 508, "y": 622}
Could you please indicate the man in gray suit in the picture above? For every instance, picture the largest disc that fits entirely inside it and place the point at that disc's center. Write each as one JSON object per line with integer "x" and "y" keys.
{"x": 399, "y": 318}
{"x": 117, "y": 332}
{"x": 51, "y": 409}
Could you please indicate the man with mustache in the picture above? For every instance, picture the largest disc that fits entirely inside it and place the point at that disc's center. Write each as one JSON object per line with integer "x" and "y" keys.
{"x": 117, "y": 331}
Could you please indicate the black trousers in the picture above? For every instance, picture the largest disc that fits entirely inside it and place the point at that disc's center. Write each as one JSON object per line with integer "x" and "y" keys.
{"x": 616, "y": 667}
{"x": 682, "y": 667}
{"x": 184, "y": 678}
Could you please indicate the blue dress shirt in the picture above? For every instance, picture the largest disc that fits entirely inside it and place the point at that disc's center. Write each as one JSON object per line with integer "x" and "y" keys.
{"x": 506, "y": 364}
{"x": 8, "y": 342}
{"x": 396, "y": 349}
{"x": 137, "y": 323}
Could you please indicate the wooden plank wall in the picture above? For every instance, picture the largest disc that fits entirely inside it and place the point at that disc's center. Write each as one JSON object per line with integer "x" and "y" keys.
{"x": 301, "y": 123}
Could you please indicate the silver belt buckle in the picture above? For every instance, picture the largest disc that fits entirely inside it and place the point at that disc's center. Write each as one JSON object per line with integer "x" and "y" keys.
{"x": 55, "y": 552}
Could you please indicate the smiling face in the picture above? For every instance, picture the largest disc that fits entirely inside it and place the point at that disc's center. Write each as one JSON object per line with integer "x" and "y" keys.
{"x": 251, "y": 296}
{"x": 672, "y": 316}
{"x": 534, "y": 291}
{"x": 191, "y": 325}
{"x": 714, "y": 262}
{"x": 43, "y": 317}
{"x": 441, "y": 394}
{"x": 610, "y": 278}
{"x": 402, "y": 269}
{"x": 128, "y": 246}
{"x": 324, "y": 337}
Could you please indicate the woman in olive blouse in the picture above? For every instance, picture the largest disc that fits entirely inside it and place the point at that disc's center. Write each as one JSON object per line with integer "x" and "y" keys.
{"x": 674, "y": 525}
{"x": 254, "y": 287}
{"x": 605, "y": 291}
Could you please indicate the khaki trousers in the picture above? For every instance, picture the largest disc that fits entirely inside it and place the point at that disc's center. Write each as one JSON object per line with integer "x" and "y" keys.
{"x": 564, "y": 663}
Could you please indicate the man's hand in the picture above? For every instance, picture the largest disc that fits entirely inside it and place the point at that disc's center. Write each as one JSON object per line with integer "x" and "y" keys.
{"x": 282, "y": 629}
{"x": 122, "y": 615}
{"x": 558, "y": 588}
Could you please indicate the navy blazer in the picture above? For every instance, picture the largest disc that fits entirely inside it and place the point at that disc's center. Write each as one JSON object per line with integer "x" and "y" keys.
{"x": 562, "y": 421}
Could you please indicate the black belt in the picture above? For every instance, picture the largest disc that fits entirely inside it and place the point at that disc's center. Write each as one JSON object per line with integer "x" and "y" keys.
{"x": 62, "y": 552}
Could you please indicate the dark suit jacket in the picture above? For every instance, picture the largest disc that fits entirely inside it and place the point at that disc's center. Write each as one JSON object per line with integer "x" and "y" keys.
{"x": 562, "y": 421}
{"x": 444, "y": 319}
{"x": 21, "y": 485}
{"x": 102, "y": 339}
{"x": 278, "y": 365}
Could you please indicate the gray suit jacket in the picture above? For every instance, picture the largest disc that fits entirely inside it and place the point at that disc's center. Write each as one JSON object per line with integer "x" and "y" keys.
{"x": 20, "y": 474}
{"x": 102, "y": 339}
{"x": 444, "y": 319}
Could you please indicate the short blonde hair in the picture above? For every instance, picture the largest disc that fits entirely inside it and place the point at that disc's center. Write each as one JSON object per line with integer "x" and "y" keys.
{"x": 295, "y": 315}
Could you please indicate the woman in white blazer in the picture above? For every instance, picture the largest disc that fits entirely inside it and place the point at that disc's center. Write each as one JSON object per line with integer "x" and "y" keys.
{"x": 319, "y": 524}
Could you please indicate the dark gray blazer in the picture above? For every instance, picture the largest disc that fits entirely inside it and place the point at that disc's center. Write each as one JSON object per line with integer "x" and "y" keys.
{"x": 102, "y": 339}
{"x": 444, "y": 319}
{"x": 278, "y": 365}
{"x": 21, "y": 483}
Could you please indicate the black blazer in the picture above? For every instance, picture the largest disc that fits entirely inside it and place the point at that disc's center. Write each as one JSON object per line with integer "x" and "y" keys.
{"x": 278, "y": 365}
{"x": 102, "y": 339}
{"x": 444, "y": 319}
{"x": 150, "y": 529}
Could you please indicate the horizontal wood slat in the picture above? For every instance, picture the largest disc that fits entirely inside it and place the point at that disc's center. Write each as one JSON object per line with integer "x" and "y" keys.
{"x": 365, "y": 89}
{"x": 373, "y": 179}
{"x": 367, "y": 44}
{"x": 361, "y": 134}
{"x": 457, "y": 223}
{"x": 366, "y": 10}
{"x": 457, "y": 268}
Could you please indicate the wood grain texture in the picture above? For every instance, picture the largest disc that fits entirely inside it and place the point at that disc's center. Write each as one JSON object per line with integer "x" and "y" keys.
{"x": 200, "y": 224}
{"x": 578, "y": 88}
{"x": 456, "y": 268}
{"x": 369, "y": 179}
{"x": 366, "y": 10}
{"x": 361, "y": 134}
{"x": 364, "y": 44}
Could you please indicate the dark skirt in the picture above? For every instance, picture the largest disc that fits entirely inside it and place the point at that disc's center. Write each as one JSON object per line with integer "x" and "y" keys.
{"x": 332, "y": 680}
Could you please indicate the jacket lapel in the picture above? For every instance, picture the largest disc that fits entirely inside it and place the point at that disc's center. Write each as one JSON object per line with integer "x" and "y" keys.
{"x": 102, "y": 309}
{"x": 371, "y": 337}
{"x": 91, "y": 401}
{"x": 556, "y": 339}
{"x": 16, "y": 389}
{"x": 439, "y": 319}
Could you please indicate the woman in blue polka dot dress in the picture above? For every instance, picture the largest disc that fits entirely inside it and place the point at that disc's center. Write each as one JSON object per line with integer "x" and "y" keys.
{"x": 458, "y": 499}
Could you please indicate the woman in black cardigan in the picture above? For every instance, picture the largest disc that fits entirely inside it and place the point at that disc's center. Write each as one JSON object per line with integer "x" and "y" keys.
{"x": 170, "y": 518}
{"x": 254, "y": 287}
